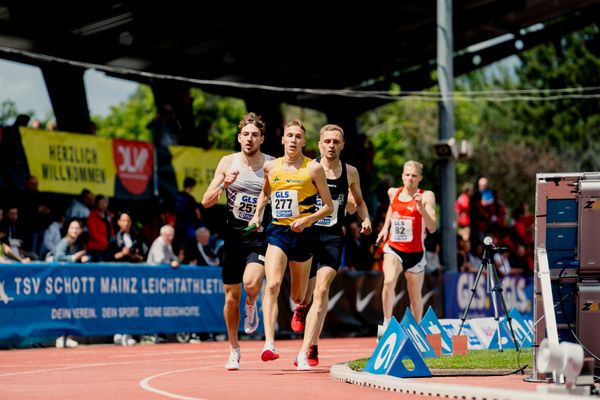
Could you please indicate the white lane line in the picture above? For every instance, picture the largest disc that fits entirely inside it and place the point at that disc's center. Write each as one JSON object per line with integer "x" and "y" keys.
{"x": 107, "y": 364}
{"x": 145, "y": 384}
{"x": 52, "y": 369}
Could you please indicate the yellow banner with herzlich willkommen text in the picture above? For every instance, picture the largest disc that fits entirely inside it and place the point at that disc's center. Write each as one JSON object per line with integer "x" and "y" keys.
{"x": 68, "y": 162}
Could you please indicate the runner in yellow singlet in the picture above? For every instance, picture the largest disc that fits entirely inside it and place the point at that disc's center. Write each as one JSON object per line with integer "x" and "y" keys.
{"x": 292, "y": 182}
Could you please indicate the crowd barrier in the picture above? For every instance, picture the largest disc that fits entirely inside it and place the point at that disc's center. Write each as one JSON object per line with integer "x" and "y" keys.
{"x": 102, "y": 299}
{"x": 52, "y": 299}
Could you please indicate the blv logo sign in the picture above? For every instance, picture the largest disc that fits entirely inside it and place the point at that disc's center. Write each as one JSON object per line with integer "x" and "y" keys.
{"x": 134, "y": 159}
{"x": 134, "y": 162}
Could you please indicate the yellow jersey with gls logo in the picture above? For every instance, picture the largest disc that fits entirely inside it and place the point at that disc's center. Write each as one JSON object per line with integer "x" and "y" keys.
{"x": 293, "y": 194}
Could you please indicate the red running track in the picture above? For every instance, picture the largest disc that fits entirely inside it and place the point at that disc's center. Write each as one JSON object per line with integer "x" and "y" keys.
{"x": 191, "y": 371}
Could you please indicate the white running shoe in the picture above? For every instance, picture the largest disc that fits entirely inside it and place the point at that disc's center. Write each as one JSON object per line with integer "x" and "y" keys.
{"x": 118, "y": 339}
{"x": 233, "y": 363}
{"x": 302, "y": 362}
{"x": 251, "y": 320}
{"x": 195, "y": 339}
{"x": 128, "y": 340}
{"x": 381, "y": 330}
{"x": 66, "y": 342}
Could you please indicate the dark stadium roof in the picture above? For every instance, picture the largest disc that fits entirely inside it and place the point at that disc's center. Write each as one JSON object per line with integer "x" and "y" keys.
{"x": 301, "y": 44}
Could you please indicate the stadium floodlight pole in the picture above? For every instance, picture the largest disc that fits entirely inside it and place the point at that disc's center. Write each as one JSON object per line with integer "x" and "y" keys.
{"x": 445, "y": 74}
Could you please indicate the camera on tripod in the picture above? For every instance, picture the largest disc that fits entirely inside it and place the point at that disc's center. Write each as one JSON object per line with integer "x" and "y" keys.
{"x": 494, "y": 288}
{"x": 488, "y": 244}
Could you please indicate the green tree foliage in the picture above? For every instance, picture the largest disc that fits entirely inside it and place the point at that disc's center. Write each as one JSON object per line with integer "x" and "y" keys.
{"x": 514, "y": 140}
{"x": 402, "y": 131}
{"x": 570, "y": 125}
{"x": 218, "y": 116}
{"x": 8, "y": 111}
{"x": 520, "y": 138}
{"x": 129, "y": 119}
{"x": 214, "y": 116}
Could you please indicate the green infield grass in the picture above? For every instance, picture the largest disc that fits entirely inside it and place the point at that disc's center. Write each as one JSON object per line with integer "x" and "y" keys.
{"x": 474, "y": 360}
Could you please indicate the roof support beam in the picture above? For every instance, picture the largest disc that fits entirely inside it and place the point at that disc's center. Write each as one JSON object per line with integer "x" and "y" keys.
{"x": 67, "y": 94}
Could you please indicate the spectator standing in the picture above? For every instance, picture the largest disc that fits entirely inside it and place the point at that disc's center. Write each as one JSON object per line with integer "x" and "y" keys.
{"x": 100, "y": 229}
{"x": 463, "y": 212}
{"x": 523, "y": 223}
{"x": 35, "y": 216}
{"x": 487, "y": 212}
{"x": 188, "y": 216}
{"x": 80, "y": 206}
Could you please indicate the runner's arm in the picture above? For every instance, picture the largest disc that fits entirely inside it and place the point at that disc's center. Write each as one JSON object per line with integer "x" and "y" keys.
{"x": 263, "y": 198}
{"x": 214, "y": 190}
{"x": 361, "y": 206}
{"x": 320, "y": 180}
{"x": 426, "y": 207}
{"x": 383, "y": 234}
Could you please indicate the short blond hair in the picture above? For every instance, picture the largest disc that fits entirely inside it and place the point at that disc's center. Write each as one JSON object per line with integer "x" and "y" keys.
{"x": 296, "y": 122}
{"x": 416, "y": 165}
{"x": 331, "y": 127}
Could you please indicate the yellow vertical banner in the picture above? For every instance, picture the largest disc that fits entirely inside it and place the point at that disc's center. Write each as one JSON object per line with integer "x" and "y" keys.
{"x": 196, "y": 163}
{"x": 68, "y": 162}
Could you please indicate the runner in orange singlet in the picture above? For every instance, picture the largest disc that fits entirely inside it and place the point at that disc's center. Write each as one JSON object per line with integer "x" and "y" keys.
{"x": 411, "y": 210}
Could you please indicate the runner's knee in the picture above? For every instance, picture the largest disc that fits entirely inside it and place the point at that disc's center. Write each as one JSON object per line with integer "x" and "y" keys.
{"x": 252, "y": 288}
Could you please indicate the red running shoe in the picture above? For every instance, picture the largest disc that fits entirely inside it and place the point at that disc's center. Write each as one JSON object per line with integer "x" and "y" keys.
{"x": 312, "y": 355}
{"x": 299, "y": 319}
{"x": 269, "y": 353}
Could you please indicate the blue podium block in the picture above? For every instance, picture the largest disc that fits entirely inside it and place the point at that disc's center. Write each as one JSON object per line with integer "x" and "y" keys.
{"x": 393, "y": 350}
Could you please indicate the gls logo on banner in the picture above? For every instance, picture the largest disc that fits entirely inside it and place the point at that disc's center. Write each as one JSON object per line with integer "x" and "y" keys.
{"x": 393, "y": 348}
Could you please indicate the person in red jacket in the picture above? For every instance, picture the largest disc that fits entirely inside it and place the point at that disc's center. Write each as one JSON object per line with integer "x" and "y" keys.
{"x": 463, "y": 211}
{"x": 100, "y": 230}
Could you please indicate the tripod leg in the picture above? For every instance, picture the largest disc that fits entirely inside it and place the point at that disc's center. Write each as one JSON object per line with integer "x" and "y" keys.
{"x": 508, "y": 319}
{"x": 464, "y": 317}
{"x": 496, "y": 317}
{"x": 497, "y": 287}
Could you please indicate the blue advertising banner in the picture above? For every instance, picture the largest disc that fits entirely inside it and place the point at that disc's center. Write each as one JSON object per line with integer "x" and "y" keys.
{"x": 516, "y": 289}
{"x": 102, "y": 299}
